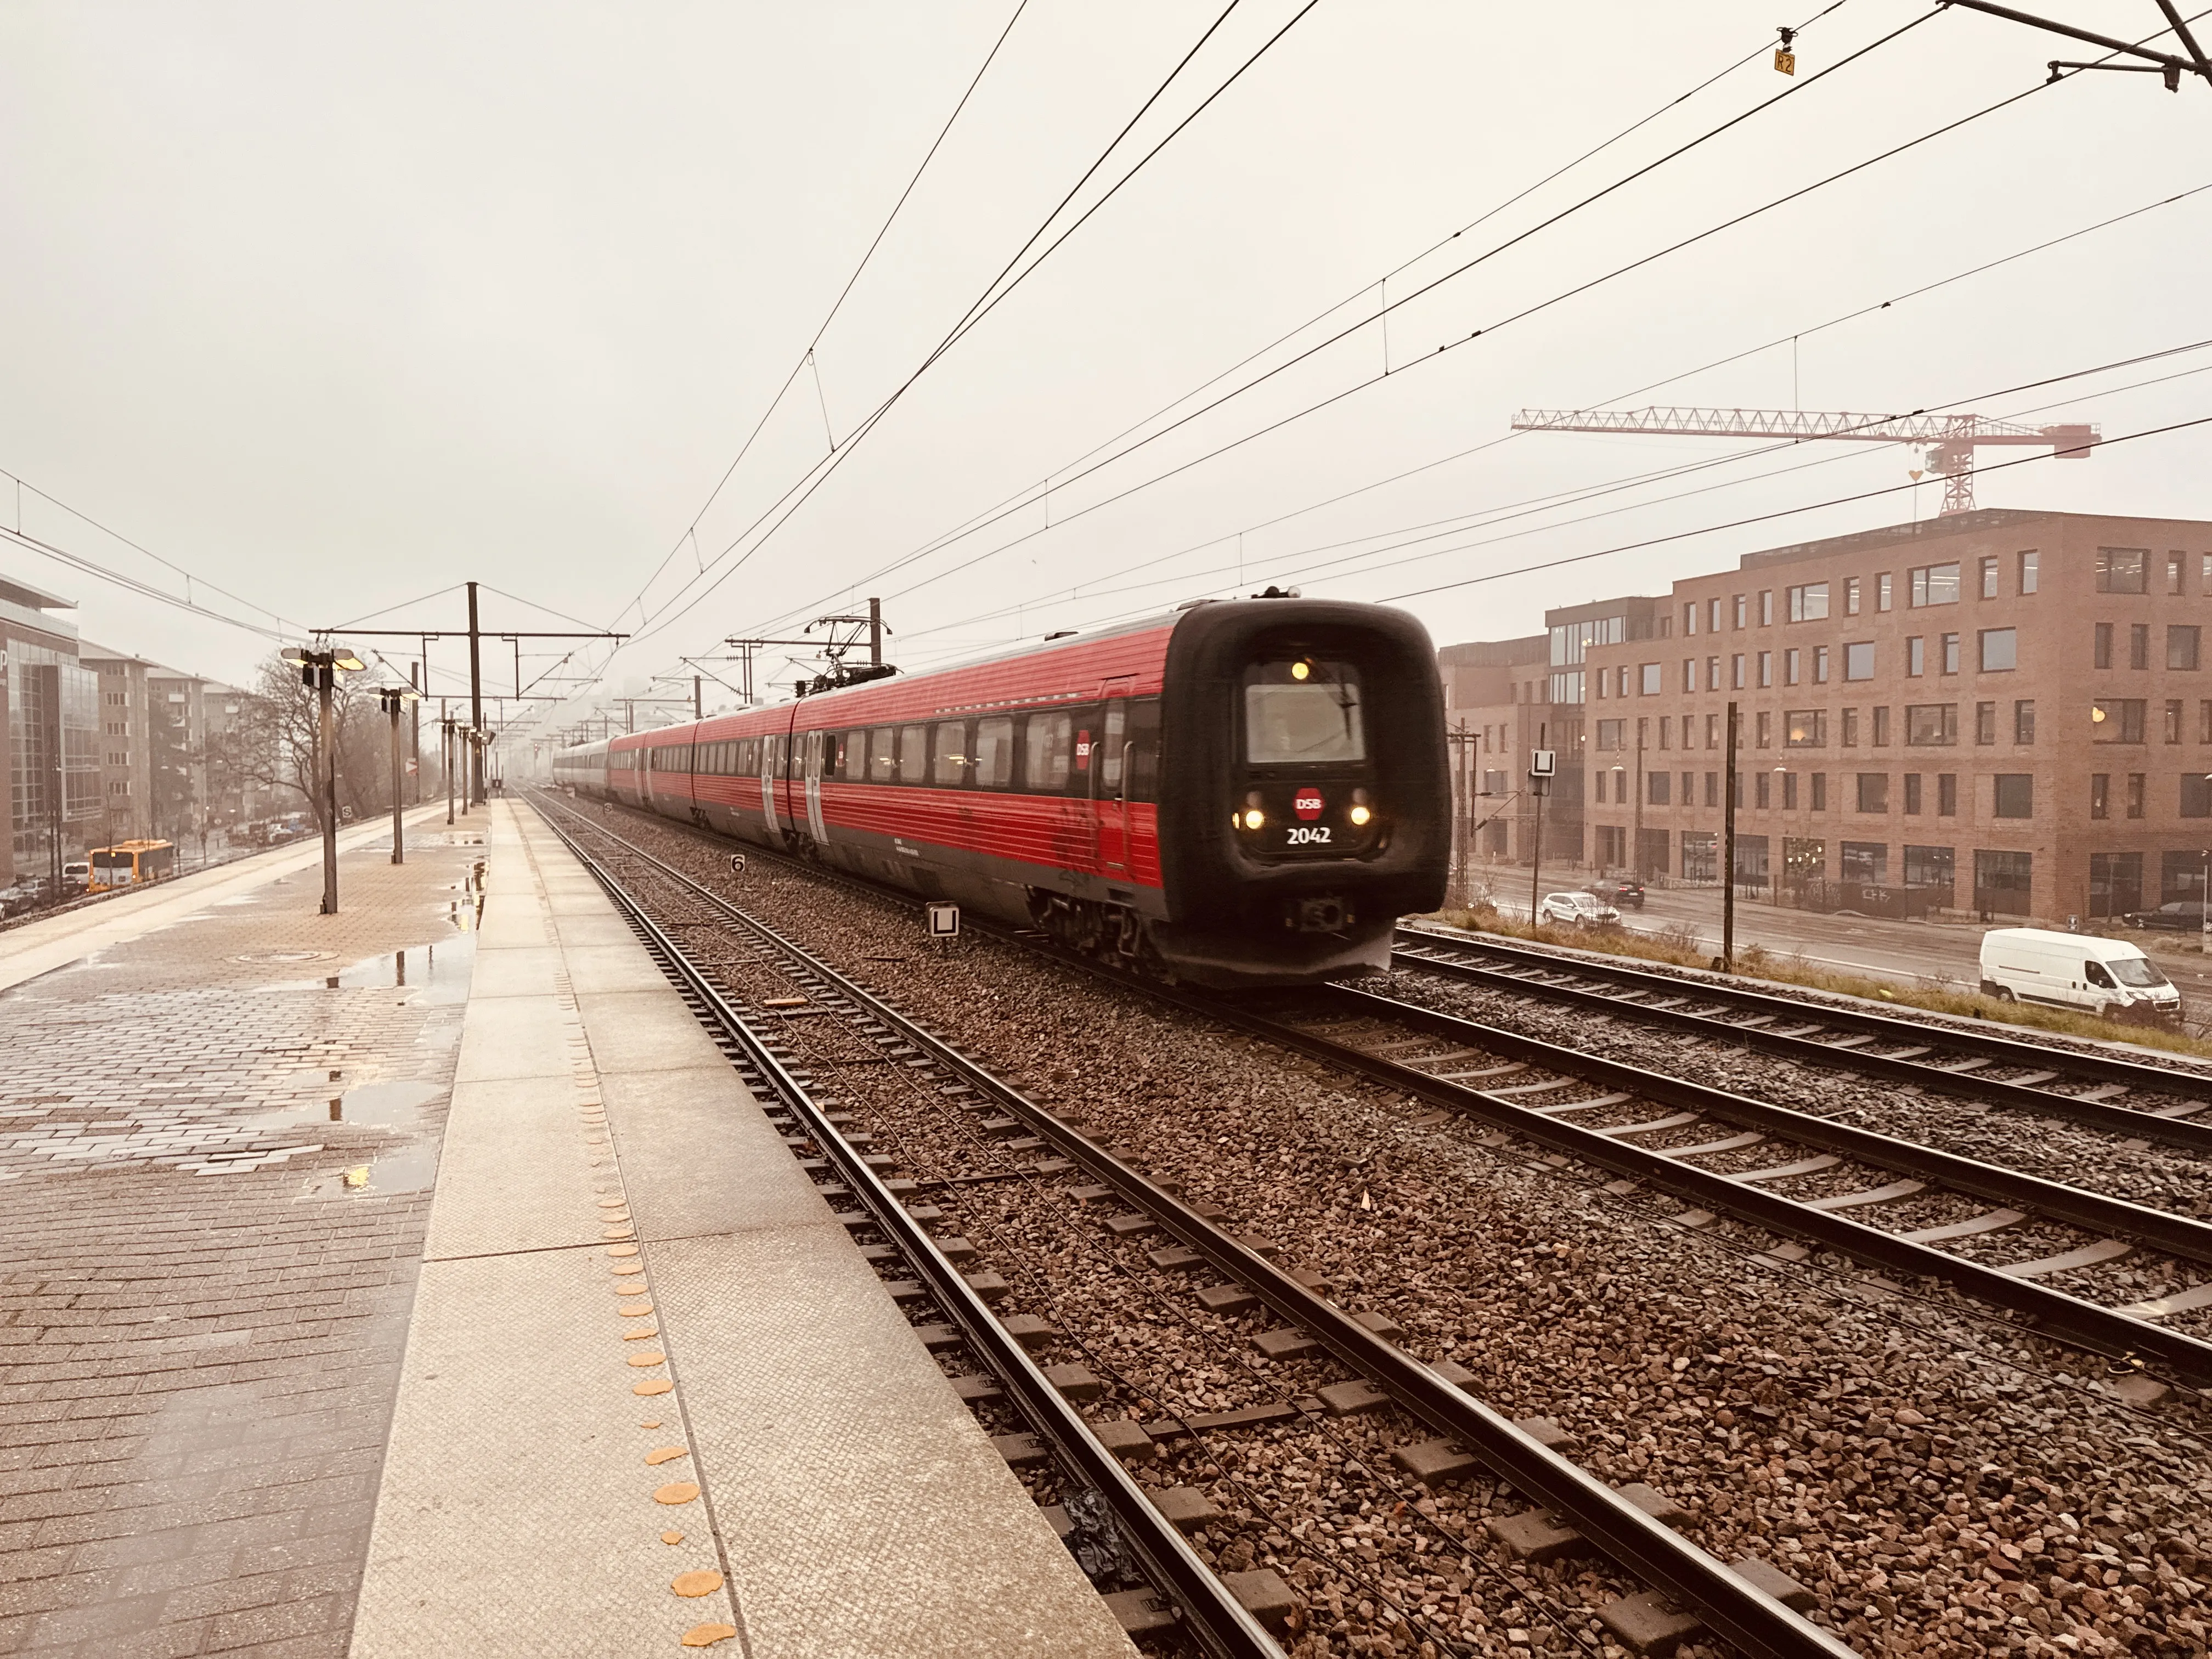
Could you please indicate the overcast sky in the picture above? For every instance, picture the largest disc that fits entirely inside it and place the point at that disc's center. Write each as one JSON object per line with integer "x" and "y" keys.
{"x": 335, "y": 308}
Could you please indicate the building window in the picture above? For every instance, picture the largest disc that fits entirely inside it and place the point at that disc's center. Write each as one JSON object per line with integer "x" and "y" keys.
{"x": 1712, "y": 789}
{"x": 2182, "y": 644}
{"x": 2100, "y": 794}
{"x": 1935, "y": 584}
{"x": 1873, "y": 792}
{"x": 1735, "y": 671}
{"x": 1759, "y": 788}
{"x": 1713, "y": 730}
{"x": 1929, "y": 866}
{"x": 1789, "y": 792}
{"x": 2173, "y": 719}
{"x": 2000, "y": 650}
{"x": 1850, "y": 733}
{"x": 1713, "y": 617}
{"x": 2002, "y": 882}
{"x": 2116, "y": 719}
{"x": 1912, "y": 794}
{"x": 1659, "y": 787}
{"x": 1881, "y": 592}
{"x": 1990, "y": 577}
{"x": 1766, "y": 608}
{"x": 1858, "y": 661}
{"x": 2139, "y": 645}
{"x": 1712, "y": 673}
{"x": 2173, "y": 573}
{"x": 1809, "y": 603}
{"x": 2195, "y": 795}
{"x": 1931, "y": 723}
{"x": 2027, "y": 563}
{"x": 2103, "y": 656}
{"x": 1648, "y": 679}
{"x": 1851, "y": 596}
{"x": 1609, "y": 734}
{"x": 1947, "y": 794}
{"x": 1819, "y": 665}
{"x": 1665, "y": 721}
{"x": 1805, "y": 728}
{"x": 1689, "y": 675}
{"x": 2121, "y": 569}
{"x": 1985, "y": 722}
{"x": 1881, "y": 727}
{"x": 2135, "y": 794}
{"x": 1742, "y": 609}
{"x": 1765, "y": 727}
{"x": 1866, "y": 862}
{"x": 1819, "y": 792}
{"x": 1950, "y": 654}
{"x": 1765, "y": 668}
{"x": 1689, "y": 619}
{"x": 1916, "y": 656}
{"x": 2204, "y": 721}
{"x": 2013, "y": 795}
{"x": 1790, "y": 665}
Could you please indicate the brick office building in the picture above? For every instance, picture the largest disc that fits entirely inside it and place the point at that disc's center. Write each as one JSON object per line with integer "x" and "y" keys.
{"x": 2004, "y": 711}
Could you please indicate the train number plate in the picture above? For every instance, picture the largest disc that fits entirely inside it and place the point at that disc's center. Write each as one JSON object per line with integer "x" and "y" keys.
{"x": 1308, "y": 835}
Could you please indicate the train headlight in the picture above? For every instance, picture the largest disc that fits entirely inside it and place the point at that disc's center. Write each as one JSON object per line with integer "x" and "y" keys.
{"x": 1359, "y": 815}
{"x": 1300, "y": 670}
{"x": 1255, "y": 818}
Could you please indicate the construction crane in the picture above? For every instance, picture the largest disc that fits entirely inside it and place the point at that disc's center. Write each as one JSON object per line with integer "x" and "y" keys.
{"x": 1949, "y": 439}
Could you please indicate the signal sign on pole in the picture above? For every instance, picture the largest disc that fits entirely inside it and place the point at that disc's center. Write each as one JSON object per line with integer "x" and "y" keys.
{"x": 1543, "y": 763}
{"x": 943, "y": 920}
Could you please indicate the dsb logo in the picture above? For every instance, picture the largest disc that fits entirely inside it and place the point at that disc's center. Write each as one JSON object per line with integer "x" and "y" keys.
{"x": 1307, "y": 803}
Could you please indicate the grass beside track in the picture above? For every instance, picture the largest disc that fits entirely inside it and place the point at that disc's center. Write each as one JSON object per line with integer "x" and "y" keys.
{"x": 1681, "y": 948}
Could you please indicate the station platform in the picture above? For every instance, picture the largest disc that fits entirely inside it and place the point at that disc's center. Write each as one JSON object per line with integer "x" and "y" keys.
{"x": 653, "y": 1397}
{"x": 311, "y": 1338}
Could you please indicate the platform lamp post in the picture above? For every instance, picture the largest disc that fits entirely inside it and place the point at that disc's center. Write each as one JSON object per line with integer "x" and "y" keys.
{"x": 318, "y": 671}
{"x": 1727, "y": 963}
{"x": 394, "y": 699}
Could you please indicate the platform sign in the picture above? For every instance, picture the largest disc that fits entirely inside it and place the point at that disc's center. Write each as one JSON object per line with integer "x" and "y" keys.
{"x": 1543, "y": 763}
{"x": 943, "y": 920}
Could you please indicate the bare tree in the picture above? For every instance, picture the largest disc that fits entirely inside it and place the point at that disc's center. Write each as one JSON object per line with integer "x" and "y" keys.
{"x": 274, "y": 739}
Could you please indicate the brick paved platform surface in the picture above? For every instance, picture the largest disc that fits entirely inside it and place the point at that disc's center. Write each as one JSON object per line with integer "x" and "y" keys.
{"x": 217, "y": 1133}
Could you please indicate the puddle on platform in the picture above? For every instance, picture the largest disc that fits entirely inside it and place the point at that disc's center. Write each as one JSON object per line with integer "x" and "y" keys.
{"x": 465, "y": 909}
{"x": 395, "y": 1105}
{"x": 408, "y": 1170}
{"x": 439, "y": 973}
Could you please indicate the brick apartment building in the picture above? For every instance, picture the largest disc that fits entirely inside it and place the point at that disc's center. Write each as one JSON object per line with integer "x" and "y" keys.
{"x": 2001, "y": 710}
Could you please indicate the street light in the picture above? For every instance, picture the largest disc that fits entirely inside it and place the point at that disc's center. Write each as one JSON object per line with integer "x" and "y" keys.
{"x": 395, "y": 698}
{"x": 319, "y": 673}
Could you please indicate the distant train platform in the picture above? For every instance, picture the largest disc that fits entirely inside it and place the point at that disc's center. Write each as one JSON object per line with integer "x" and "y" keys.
{"x": 422, "y": 1279}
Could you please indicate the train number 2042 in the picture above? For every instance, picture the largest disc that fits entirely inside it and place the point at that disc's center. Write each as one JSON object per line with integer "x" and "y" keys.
{"x": 1308, "y": 835}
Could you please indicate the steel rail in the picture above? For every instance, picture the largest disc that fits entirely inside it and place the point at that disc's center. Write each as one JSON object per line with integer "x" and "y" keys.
{"x": 2085, "y": 1324}
{"x": 2011, "y": 1051}
{"x": 1213, "y": 1617}
{"x": 1734, "y": 1608}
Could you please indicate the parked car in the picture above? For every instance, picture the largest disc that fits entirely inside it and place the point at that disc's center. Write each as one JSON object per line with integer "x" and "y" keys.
{"x": 1622, "y": 892}
{"x": 1578, "y": 910}
{"x": 2107, "y": 977}
{"x": 2182, "y": 916}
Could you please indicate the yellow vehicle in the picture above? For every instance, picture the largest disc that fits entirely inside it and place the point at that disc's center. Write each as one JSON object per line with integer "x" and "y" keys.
{"x": 132, "y": 863}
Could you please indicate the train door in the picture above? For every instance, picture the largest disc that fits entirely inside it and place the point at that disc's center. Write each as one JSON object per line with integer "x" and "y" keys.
{"x": 1110, "y": 779}
{"x": 815, "y": 744}
{"x": 771, "y": 763}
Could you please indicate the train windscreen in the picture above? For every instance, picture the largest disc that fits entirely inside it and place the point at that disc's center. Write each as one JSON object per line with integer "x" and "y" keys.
{"x": 1302, "y": 711}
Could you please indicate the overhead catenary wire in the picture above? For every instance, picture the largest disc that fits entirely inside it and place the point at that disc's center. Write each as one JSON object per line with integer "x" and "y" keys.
{"x": 1342, "y": 334}
{"x": 781, "y": 509}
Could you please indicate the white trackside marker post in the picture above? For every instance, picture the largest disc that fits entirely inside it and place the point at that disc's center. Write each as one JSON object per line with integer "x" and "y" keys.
{"x": 944, "y": 921}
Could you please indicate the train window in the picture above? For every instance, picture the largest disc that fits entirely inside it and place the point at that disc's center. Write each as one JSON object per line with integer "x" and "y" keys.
{"x": 1143, "y": 750}
{"x": 883, "y": 755}
{"x": 913, "y": 753}
{"x": 949, "y": 767}
{"x": 1048, "y": 753}
{"x": 844, "y": 755}
{"x": 1111, "y": 737}
{"x": 1302, "y": 710}
{"x": 994, "y": 752}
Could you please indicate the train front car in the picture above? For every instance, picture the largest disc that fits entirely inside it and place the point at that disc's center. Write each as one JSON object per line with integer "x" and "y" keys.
{"x": 1306, "y": 800}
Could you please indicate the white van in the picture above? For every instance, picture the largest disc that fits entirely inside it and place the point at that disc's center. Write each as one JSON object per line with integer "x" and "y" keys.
{"x": 2102, "y": 976}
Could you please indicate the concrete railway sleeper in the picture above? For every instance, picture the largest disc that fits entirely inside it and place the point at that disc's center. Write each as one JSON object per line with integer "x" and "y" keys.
{"x": 1932, "y": 1054}
{"x": 1733, "y": 1604}
{"x": 1549, "y": 1074}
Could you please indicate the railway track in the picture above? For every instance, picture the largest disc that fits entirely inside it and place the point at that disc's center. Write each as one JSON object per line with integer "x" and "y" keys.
{"x": 1732, "y": 1154}
{"x": 1574, "y": 1507}
{"x": 1972, "y": 1064}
